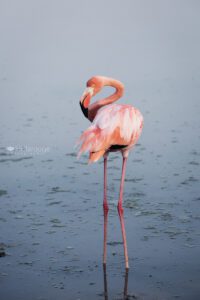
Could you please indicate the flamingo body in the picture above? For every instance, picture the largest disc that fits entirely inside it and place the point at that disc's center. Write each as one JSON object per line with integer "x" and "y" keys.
{"x": 114, "y": 127}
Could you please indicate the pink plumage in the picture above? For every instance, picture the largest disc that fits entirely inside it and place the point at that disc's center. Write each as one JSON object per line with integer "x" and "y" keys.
{"x": 113, "y": 125}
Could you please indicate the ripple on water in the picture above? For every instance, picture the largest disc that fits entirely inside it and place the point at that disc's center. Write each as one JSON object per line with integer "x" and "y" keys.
{"x": 173, "y": 232}
{"x": 81, "y": 163}
{"x": 57, "y": 189}
{"x": 114, "y": 243}
{"x": 3, "y": 153}
{"x": 3, "y": 192}
{"x": 137, "y": 160}
{"x": 189, "y": 180}
{"x": 133, "y": 179}
{"x": 72, "y": 269}
{"x": 132, "y": 204}
{"x": 194, "y": 163}
{"x": 195, "y": 153}
{"x": 197, "y": 199}
{"x": 71, "y": 154}
{"x": 47, "y": 160}
{"x": 54, "y": 203}
{"x": 57, "y": 223}
{"x": 137, "y": 195}
{"x": 145, "y": 213}
{"x": 2, "y": 250}
{"x": 15, "y": 159}
{"x": 166, "y": 216}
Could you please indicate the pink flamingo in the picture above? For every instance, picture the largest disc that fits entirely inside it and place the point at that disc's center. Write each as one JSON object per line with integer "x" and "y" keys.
{"x": 114, "y": 128}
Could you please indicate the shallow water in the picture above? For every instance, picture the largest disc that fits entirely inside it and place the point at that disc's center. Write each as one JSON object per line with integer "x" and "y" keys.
{"x": 51, "y": 218}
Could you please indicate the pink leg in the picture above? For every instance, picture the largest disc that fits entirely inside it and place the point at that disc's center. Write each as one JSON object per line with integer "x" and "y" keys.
{"x": 105, "y": 209}
{"x": 121, "y": 211}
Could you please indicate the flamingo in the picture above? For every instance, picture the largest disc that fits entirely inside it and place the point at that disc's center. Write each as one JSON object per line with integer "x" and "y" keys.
{"x": 115, "y": 127}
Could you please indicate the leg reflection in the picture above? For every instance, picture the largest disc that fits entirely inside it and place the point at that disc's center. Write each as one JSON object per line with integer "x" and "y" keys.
{"x": 125, "y": 292}
{"x": 105, "y": 282}
{"x": 126, "y": 285}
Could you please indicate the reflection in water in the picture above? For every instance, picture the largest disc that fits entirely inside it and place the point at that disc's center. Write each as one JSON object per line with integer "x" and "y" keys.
{"x": 125, "y": 292}
{"x": 126, "y": 284}
{"x": 105, "y": 282}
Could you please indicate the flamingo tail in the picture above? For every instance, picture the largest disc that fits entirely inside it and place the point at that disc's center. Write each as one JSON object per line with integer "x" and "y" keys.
{"x": 94, "y": 156}
{"x": 91, "y": 140}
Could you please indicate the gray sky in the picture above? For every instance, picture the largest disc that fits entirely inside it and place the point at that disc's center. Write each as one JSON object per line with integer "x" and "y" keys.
{"x": 65, "y": 42}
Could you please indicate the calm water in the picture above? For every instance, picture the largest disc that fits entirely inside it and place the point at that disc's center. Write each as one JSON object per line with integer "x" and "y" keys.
{"x": 51, "y": 215}
{"x": 51, "y": 205}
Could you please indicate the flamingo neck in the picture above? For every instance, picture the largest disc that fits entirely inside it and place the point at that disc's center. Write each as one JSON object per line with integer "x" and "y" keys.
{"x": 93, "y": 108}
{"x": 116, "y": 95}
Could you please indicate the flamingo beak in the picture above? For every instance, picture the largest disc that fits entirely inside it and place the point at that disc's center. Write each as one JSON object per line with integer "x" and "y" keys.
{"x": 85, "y": 99}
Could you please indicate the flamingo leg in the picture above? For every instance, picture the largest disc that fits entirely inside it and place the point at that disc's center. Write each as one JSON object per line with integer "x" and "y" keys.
{"x": 105, "y": 209}
{"x": 121, "y": 212}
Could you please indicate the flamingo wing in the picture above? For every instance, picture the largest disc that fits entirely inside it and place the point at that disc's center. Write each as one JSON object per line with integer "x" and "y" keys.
{"x": 113, "y": 125}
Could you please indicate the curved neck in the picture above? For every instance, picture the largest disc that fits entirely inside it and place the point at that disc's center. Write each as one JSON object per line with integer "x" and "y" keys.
{"x": 116, "y": 95}
{"x": 94, "y": 107}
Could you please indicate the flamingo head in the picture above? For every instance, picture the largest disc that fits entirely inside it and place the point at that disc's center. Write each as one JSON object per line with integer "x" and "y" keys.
{"x": 94, "y": 85}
